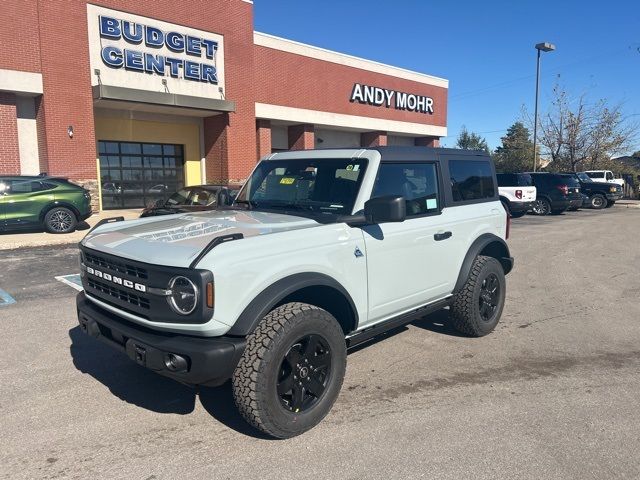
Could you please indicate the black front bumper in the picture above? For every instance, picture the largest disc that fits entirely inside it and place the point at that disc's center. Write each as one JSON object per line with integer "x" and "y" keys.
{"x": 210, "y": 360}
{"x": 614, "y": 196}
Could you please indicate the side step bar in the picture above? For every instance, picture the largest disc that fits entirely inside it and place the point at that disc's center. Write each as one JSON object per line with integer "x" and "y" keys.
{"x": 396, "y": 322}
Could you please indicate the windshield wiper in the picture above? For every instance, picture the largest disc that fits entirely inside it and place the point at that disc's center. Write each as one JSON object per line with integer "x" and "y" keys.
{"x": 249, "y": 203}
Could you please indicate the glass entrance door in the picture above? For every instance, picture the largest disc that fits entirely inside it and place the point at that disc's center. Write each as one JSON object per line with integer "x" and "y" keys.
{"x": 136, "y": 174}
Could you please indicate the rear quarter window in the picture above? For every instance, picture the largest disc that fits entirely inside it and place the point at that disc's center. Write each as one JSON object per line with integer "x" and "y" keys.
{"x": 471, "y": 180}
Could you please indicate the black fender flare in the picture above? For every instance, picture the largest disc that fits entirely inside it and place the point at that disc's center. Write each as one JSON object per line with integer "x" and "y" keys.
{"x": 57, "y": 203}
{"x": 491, "y": 244}
{"x": 265, "y": 301}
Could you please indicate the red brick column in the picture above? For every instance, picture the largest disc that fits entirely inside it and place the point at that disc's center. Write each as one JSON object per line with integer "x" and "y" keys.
{"x": 9, "y": 152}
{"x": 263, "y": 134}
{"x": 373, "y": 139}
{"x": 216, "y": 148}
{"x": 427, "y": 142}
{"x": 302, "y": 137}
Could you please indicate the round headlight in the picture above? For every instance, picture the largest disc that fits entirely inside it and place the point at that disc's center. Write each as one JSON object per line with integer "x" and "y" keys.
{"x": 184, "y": 295}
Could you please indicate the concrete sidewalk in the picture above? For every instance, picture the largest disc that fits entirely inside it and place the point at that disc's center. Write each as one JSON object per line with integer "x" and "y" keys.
{"x": 26, "y": 239}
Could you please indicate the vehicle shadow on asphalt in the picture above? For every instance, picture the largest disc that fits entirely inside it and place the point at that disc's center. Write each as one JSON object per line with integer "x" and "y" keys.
{"x": 438, "y": 322}
{"x": 136, "y": 385}
{"x": 127, "y": 380}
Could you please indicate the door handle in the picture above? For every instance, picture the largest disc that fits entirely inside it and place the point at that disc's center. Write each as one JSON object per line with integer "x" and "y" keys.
{"x": 442, "y": 236}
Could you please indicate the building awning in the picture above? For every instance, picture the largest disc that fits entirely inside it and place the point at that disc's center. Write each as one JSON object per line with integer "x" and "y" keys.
{"x": 113, "y": 97}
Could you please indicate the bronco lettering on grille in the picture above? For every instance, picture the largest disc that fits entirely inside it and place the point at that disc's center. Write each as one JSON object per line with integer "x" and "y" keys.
{"x": 117, "y": 280}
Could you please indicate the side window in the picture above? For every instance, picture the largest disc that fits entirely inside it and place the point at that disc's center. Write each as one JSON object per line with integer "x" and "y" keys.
{"x": 416, "y": 182}
{"x": 21, "y": 186}
{"x": 471, "y": 180}
{"x": 609, "y": 176}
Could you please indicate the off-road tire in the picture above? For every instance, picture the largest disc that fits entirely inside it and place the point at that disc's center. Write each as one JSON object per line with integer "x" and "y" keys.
{"x": 597, "y": 201}
{"x": 60, "y": 220}
{"x": 465, "y": 309}
{"x": 255, "y": 378}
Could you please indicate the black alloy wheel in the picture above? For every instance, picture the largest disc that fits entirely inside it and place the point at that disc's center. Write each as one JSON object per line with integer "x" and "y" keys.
{"x": 489, "y": 297}
{"x": 304, "y": 373}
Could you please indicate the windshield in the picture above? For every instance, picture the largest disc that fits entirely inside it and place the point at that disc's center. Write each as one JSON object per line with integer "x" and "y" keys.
{"x": 584, "y": 177}
{"x": 571, "y": 180}
{"x": 595, "y": 174}
{"x": 192, "y": 196}
{"x": 318, "y": 186}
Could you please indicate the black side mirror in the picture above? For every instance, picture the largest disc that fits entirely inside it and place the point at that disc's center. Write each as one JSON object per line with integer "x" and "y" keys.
{"x": 391, "y": 208}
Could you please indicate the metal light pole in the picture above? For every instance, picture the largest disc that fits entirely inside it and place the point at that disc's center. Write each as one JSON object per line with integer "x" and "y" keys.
{"x": 541, "y": 47}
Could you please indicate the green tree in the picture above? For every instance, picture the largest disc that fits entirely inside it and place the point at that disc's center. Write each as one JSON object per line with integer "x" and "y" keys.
{"x": 516, "y": 152}
{"x": 471, "y": 141}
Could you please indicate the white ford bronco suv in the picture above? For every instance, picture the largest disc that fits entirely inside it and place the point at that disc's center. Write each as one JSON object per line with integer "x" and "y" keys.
{"x": 321, "y": 250}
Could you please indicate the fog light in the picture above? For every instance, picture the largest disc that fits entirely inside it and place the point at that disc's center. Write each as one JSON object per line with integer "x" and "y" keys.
{"x": 175, "y": 363}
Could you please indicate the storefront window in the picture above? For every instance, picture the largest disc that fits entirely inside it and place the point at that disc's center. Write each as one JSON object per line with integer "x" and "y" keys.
{"x": 135, "y": 175}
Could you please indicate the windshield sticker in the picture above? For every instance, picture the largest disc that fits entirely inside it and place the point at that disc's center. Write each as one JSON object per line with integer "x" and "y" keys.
{"x": 287, "y": 181}
{"x": 432, "y": 203}
{"x": 356, "y": 168}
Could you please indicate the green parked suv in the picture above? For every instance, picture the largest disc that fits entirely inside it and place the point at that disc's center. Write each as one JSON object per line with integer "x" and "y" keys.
{"x": 32, "y": 202}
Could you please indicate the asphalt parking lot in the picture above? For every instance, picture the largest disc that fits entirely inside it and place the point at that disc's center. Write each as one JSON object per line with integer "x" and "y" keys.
{"x": 552, "y": 393}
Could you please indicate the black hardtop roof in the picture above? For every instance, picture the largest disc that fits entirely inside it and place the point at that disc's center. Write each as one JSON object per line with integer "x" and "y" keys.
{"x": 405, "y": 154}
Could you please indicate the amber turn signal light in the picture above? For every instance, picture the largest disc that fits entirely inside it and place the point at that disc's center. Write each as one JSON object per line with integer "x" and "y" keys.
{"x": 210, "y": 296}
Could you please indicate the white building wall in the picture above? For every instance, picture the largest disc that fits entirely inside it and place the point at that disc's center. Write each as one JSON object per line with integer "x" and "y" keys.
{"x": 27, "y": 135}
{"x": 398, "y": 141}
{"x": 326, "y": 138}
{"x": 279, "y": 137}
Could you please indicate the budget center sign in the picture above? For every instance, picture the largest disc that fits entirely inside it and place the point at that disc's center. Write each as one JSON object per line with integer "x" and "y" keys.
{"x": 139, "y": 52}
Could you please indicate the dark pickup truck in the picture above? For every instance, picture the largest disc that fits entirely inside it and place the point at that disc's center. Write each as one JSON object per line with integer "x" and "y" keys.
{"x": 601, "y": 195}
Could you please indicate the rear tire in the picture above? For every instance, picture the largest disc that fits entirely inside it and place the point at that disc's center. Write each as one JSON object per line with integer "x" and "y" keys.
{"x": 60, "y": 220}
{"x": 291, "y": 371}
{"x": 542, "y": 207}
{"x": 598, "y": 201}
{"x": 477, "y": 307}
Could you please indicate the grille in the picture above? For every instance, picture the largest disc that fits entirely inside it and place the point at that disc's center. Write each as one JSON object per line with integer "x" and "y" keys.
{"x": 122, "y": 295}
{"x": 120, "y": 267}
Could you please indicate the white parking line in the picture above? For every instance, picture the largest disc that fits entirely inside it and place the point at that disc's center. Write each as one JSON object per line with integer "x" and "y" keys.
{"x": 6, "y": 299}
{"x": 72, "y": 280}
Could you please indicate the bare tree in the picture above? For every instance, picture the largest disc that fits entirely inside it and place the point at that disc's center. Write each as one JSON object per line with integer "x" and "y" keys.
{"x": 578, "y": 135}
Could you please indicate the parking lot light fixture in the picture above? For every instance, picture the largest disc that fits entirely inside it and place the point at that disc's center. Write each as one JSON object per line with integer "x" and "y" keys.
{"x": 540, "y": 47}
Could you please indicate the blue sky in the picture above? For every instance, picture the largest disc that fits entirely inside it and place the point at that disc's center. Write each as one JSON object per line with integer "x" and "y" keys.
{"x": 485, "y": 49}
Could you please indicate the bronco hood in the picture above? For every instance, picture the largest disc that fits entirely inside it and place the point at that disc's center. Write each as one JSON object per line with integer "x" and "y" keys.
{"x": 176, "y": 240}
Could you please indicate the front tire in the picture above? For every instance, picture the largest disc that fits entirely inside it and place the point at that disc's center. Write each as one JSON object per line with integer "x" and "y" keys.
{"x": 477, "y": 307}
{"x": 542, "y": 207}
{"x": 598, "y": 201}
{"x": 60, "y": 220}
{"x": 291, "y": 371}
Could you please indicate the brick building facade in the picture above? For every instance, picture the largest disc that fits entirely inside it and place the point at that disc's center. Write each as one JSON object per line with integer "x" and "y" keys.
{"x": 138, "y": 98}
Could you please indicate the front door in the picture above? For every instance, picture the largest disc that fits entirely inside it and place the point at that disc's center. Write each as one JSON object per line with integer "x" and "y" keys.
{"x": 23, "y": 204}
{"x": 407, "y": 262}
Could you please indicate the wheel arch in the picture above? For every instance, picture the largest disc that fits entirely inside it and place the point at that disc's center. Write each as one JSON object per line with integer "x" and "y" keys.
{"x": 310, "y": 287}
{"x": 57, "y": 203}
{"x": 489, "y": 245}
